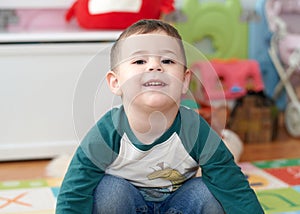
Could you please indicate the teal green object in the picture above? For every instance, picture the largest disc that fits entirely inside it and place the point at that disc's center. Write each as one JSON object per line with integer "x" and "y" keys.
{"x": 218, "y": 22}
{"x": 190, "y": 103}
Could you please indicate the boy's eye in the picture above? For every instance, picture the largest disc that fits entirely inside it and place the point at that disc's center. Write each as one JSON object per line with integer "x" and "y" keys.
{"x": 139, "y": 62}
{"x": 167, "y": 61}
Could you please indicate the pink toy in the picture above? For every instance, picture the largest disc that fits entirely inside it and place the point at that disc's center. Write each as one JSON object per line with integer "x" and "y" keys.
{"x": 41, "y": 20}
{"x": 283, "y": 18}
{"x": 228, "y": 79}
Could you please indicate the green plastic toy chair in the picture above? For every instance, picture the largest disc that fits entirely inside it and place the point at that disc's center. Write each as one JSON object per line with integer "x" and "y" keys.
{"x": 220, "y": 23}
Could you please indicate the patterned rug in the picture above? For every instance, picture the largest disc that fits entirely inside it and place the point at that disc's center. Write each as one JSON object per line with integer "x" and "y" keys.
{"x": 277, "y": 184}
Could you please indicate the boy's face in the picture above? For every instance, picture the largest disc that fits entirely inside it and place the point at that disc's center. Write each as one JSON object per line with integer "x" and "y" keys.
{"x": 151, "y": 72}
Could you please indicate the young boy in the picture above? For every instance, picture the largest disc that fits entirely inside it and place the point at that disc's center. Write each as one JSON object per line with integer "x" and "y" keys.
{"x": 142, "y": 157}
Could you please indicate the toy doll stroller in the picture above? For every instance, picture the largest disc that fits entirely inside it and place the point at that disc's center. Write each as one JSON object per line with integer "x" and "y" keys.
{"x": 283, "y": 19}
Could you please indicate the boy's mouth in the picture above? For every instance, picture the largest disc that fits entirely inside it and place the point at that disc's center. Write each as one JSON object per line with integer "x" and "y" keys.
{"x": 154, "y": 83}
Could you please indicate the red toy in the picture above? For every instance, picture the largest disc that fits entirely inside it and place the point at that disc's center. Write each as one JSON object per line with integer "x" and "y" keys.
{"x": 114, "y": 14}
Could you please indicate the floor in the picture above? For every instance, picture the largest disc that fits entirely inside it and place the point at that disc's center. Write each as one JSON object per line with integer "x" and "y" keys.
{"x": 283, "y": 147}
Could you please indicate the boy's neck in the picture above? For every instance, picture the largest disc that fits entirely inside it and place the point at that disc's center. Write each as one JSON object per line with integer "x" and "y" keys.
{"x": 148, "y": 126}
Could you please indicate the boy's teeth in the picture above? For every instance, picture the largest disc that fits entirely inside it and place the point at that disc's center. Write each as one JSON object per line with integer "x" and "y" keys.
{"x": 154, "y": 84}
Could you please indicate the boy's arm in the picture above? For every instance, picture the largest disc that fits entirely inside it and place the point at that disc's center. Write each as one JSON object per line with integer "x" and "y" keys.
{"x": 219, "y": 172}
{"x": 86, "y": 170}
{"x": 76, "y": 193}
{"x": 97, "y": 151}
{"x": 228, "y": 184}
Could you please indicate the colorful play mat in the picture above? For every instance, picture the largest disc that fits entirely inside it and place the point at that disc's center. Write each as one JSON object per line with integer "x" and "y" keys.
{"x": 276, "y": 183}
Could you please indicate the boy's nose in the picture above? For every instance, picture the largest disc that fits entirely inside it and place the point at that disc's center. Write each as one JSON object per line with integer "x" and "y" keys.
{"x": 155, "y": 69}
{"x": 154, "y": 65}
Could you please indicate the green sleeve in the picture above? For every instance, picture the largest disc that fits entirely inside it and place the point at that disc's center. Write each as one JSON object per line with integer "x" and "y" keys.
{"x": 96, "y": 152}
{"x": 223, "y": 176}
{"x": 229, "y": 185}
{"x": 76, "y": 193}
{"x": 220, "y": 173}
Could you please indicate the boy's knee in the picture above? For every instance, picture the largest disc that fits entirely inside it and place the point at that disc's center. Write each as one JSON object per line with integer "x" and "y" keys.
{"x": 112, "y": 188}
{"x": 114, "y": 195}
{"x": 201, "y": 198}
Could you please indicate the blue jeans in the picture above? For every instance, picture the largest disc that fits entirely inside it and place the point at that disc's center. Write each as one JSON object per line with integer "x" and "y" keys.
{"x": 116, "y": 195}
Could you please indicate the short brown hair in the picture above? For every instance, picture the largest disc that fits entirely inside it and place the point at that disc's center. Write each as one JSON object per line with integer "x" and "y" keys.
{"x": 145, "y": 26}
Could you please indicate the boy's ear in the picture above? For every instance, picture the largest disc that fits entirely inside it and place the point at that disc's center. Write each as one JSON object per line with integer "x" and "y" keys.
{"x": 113, "y": 83}
{"x": 186, "y": 81}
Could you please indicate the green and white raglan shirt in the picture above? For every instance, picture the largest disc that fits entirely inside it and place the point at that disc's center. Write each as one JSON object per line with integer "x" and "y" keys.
{"x": 110, "y": 147}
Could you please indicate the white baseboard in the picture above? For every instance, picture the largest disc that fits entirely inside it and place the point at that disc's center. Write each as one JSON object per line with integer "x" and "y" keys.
{"x": 36, "y": 150}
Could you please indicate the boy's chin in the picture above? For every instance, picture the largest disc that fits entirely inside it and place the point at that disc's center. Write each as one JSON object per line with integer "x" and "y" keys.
{"x": 154, "y": 101}
{"x": 161, "y": 104}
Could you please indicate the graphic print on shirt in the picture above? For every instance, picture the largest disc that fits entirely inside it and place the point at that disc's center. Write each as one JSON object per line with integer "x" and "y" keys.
{"x": 163, "y": 171}
{"x": 165, "y": 165}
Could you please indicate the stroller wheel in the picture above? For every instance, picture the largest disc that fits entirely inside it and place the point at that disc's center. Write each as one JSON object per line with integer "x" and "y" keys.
{"x": 292, "y": 119}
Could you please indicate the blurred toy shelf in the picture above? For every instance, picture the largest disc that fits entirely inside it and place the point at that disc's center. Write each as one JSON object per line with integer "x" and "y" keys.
{"x": 44, "y": 21}
{"x": 74, "y": 35}
{"x": 12, "y": 4}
